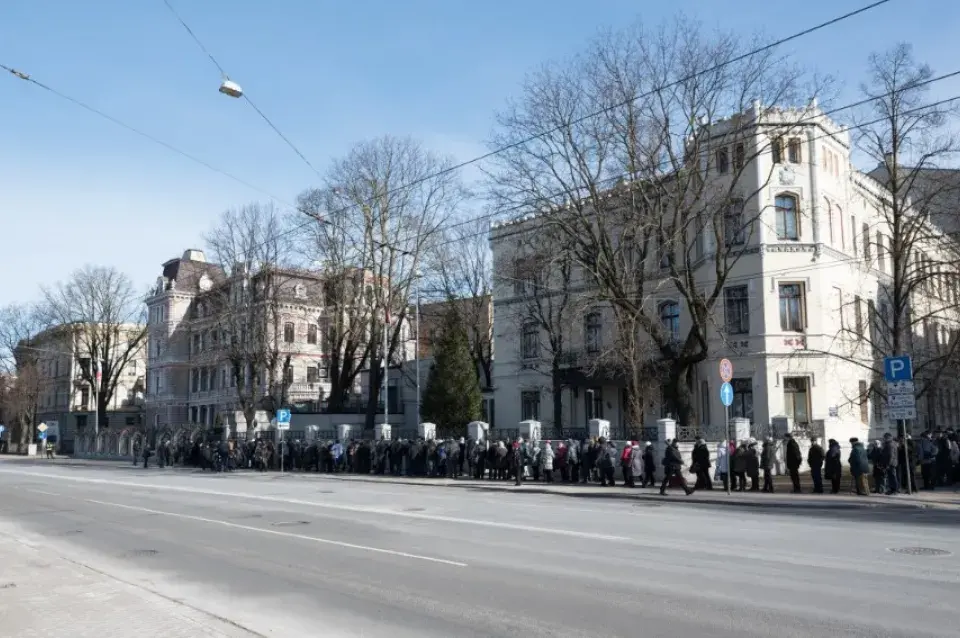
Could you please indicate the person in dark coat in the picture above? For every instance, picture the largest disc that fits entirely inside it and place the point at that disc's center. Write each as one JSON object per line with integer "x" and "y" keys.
{"x": 649, "y": 466}
{"x": 767, "y": 459}
{"x": 794, "y": 460}
{"x": 859, "y": 466}
{"x": 701, "y": 465}
{"x": 815, "y": 461}
{"x": 890, "y": 459}
{"x": 740, "y": 467}
{"x": 833, "y": 465}
{"x": 753, "y": 466}
{"x": 673, "y": 466}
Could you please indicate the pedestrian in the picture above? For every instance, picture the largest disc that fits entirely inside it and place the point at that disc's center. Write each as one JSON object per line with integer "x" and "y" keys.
{"x": 753, "y": 465}
{"x": 740, "y": 467}
{"x": 649, "y": 465}
{"x": 859, "y": 466}
{"x": 673, "y": 467}
{"x": 547, "y": 457}
{"x": 928, "y": 459}
{"x": 833, "y": 466}
{"x": 701, "y": 465}
{"x": 722, "y": 471}
{"x": 794, "y": 459}
{"x": 815, "y": 461}
{"x": 890, "y": 458}
{"x": 767, "y": 459}
{"x": 607, "y": 461}
{"x": 636, "y": 464}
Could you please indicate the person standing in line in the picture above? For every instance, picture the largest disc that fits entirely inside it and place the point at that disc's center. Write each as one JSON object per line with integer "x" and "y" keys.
{"x": 859, "y": 467}
{"x": 815, "y": 461}
{"x": 794, "y": 458}
{"x": 890, "y": 458}
{"x": 649, "y": 465}
{"x": 833, "y": 466}
{"x": 767, "y": 459}
{"x": 723, "y": 463}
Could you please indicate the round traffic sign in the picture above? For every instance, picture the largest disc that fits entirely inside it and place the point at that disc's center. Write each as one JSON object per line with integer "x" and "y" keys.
{"x": 726, "y": 370}
{"x": 726, "y": 394}
{"x": 42, "y": 427}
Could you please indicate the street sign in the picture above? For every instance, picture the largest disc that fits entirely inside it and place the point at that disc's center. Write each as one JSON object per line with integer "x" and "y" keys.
{"x": 898, "y": 368}
{"x": 726, "y": 370}
{"x": 901, "y": 387}
{"x": 283, "y": 416}
{"x": 42, "y": 427}
{"x": 902, "y": 413}
{"x": 2, "y": 429}
{"x": 901, "y": 401}
{"x": 726, "y": 394}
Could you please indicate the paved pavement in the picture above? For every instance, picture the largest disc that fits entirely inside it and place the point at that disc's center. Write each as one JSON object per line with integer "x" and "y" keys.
{"x": 295, "y": 555}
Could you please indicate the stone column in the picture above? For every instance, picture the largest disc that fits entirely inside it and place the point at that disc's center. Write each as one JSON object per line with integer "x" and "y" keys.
{"x": 477, "y": 430}
{"x": 382, "y": 431}
{"x": 740, "y": 428}
{"x": 427, "y": 431}
{"x": 530, "y": 430}
{"x": 598, "y": 427}
{"x": 666, "y": 432}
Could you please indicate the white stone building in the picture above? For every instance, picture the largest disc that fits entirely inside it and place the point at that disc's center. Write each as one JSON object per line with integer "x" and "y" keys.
{"x": 804, "y": 287}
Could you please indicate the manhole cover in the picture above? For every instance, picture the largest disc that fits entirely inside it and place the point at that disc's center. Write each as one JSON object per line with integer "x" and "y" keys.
{"x": 289, "y": 523}
{"x": 138, "y": 553}
{"x": 413, "y": 509}
{"x": 920, "y": 551}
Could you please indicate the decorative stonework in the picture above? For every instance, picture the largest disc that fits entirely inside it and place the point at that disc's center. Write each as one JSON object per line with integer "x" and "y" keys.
{"x": 787, "y": 176}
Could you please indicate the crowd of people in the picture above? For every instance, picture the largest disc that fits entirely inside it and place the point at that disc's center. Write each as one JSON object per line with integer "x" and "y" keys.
{"x": 595, "y": 460}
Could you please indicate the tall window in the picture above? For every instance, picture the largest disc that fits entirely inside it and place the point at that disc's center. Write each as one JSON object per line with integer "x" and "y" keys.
{"x": 312, "y": 374}
{"x": 793, "y": 150}
{"x": 312, "y": 334}
{"x": 723, "y": 160}
{"x": 195, "y": 380}
{"x": 705, "y": 401}
{"x": 204, "y": 380}
{"x": 736, "y": 310}
{"x": 792, "y": 311}
{"x": 85, "y": 398}
{"x": 742, "y": 399}
{"x": 288, "y": 333}
{"x": 776, "y": 150}
{"x": 853, "y": 235}
{"x": 530, "y": 405}
{"x": 670, "y": 319}
{"x": 530, "y": 341}
{"x": 858, "y": 316}
{"x": 843, "y": 240}
{"x": 594, "y": 403}
{"x": 733, "y": 229}
{"x": 796, "y": 399}
{"x": 881, "y": 257}
{"x": 826, "y": 204}
{"x": 788, "y": 224}
{"x": 591, "y": 332}
{"x": 288, "y": 374}
{"x": 739, "y": 157}
{"x": 866, "y": 243}
{"x": 864, "y": 401}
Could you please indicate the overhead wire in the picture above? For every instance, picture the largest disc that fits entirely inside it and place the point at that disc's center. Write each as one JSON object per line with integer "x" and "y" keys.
{"x": 245, "y": 96}
{"x": 447, "y": 170}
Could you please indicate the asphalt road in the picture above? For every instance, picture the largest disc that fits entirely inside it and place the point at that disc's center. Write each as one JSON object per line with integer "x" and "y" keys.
{"x": 304, "y": 555}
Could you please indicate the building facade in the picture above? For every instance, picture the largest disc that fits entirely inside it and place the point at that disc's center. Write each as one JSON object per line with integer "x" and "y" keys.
{"x": 795, "y": 309}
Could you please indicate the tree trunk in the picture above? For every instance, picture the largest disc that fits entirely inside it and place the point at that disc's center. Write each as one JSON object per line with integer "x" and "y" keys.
{"x": 373, "y": 392}
{"x": 680, "y": 392}
{"x": 557, "y": 388}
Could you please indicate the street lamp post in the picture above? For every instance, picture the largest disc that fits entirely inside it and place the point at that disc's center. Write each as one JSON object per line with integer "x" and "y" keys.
{"x": 417, "y": 275}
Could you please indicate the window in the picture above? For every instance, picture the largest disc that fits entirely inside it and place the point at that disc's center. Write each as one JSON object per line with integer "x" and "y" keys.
{"x": 530, "y": 341}
{"x": 796, "y": 400}
{"x": 204, "y": 379}
{"x": 742, "y": 407}
{"x": 159, "y": 385}
{"x": 733, "y": 228}
{"x": 843, "y": 241}
{"x": 530, "y": 405}
{"x": 776, "y": 150}
{"x": 213, "y": 378}
{"x": 788, "y": 225}
{"x": 223, "y": 378}
{"x": 853, "y": 234}
{"x": 489, "y": 412}
{"x": 312, "y": 376}
{"x": 865, "y": 235}
{"x": 792, "y": 311}
{"x": 591, "y": 333}
{"x": 312, "y": 334}
{"x": 739, "y": 157}
{"x": 85, "y": 398}
{"x": 524, "y": 276}
{"x": 196, "y": 344}
{"x": 872, "y": 324}
{"x": 858, "y": 317}
{"x": 193, "y": 414}
{"x": 826, "y": 204}
{"x": 288, "y": 374}
{"x": 666, "y": 254}
{"x": 195, "y": 380}
{"x": 670, "y": 319}
{"x": 288, "y": 332}
{"x": 324, "y": 370}
{"x": 593, "y": 401}
{"x": 864, "y": 402}
{"x": 881, "y": 258}
{"x": 704, "y": 401}
{"x": 793, "y": 150}
{"x": 736, "y": 307}
{"x": 723, "y": 161}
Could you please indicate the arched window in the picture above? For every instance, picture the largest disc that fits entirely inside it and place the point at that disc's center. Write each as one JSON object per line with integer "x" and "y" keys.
{"x": 670, "y": 318}
{"x": 591, "y": 332}
{"x": 788, "y": 219}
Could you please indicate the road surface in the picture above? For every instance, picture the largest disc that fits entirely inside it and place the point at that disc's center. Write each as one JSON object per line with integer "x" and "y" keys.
{"x": 302, "y": 555}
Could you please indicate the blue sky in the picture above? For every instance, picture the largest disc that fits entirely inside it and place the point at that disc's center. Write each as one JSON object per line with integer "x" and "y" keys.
{"x": 76, "y": 189}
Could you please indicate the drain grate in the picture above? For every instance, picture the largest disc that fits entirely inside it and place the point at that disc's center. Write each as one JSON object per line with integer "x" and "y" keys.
{"x": 141, "y": 553}
{"x": 920, "y": 551}
{"x": 289, "y": 523}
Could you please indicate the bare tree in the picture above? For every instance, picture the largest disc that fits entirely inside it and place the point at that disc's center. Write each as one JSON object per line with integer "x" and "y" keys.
{"x": 914, "y": 235}
{"x": 631, "y": 159}
{"x": 253, "y": 247}
{"x": 19, "y": 367}
{"x": 104, "y": 316}
{"x": 546, "y": 306}
{"x": 382, "y": 207}
{"x": 459, "y": 271}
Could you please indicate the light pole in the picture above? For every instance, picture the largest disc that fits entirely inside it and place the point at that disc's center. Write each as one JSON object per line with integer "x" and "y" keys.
{"x": 417, "y": 275}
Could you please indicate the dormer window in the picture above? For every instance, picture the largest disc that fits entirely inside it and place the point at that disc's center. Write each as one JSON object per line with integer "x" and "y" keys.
{"x": 793, "y": 150}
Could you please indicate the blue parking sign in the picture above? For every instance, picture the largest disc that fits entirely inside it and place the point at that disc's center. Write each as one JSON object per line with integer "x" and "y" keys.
{"x": 283, "y": 416}
{"x": 898, "y": 368}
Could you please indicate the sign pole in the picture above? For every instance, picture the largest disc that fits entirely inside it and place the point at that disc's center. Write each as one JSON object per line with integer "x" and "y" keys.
{"x": 726, "y": 412}
{"x": 726, "y": 397}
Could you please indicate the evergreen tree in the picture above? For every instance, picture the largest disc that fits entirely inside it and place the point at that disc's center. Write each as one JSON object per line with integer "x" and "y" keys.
{"x": 452, "y": 397}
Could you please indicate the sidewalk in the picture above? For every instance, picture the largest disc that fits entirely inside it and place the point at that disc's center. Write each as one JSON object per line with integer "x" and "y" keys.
{"x": 941, "y": 499}
{"x": 45, "y": 595}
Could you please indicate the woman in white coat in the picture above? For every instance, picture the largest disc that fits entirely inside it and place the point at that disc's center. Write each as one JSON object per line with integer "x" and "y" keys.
{"x": 636, "y": 463}
{"x": 546, "y": 458}
{"x": 723, "y": 464}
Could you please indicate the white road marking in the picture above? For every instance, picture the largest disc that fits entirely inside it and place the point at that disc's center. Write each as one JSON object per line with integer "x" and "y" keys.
{"x": 322, "y": 541}
{"x": 333, "y": 506}
{"x": 28, "y": 489}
